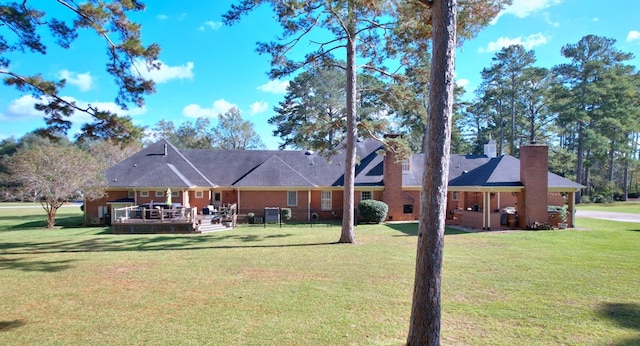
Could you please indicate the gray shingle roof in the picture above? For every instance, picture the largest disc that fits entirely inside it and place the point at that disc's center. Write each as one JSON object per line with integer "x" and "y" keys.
{"x": 163, "y": 165}
{"x": 154, "y": 166}
{"x": 504, "y": 171}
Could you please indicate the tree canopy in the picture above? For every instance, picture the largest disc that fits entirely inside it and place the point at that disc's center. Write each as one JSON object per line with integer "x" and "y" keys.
{"x": 109, "y": 21}
{"x": 313, "y": 113}
{"x": 230, "y": 132}
{"x": 51, "y": 174}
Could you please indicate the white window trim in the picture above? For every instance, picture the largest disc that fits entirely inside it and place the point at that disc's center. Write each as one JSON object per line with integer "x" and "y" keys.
{"x": 131, "y": 194}
{"x": 199, "y": 194}
{"x": 454, "y": 195}
{"x": 159, "y": 194}
{"x": 327, "y": 200}
{"x": 144, "y": 193}
{"x": 289, "y": 194}
{"x": 362, "y": 195}
{"x": 406, "y": 166}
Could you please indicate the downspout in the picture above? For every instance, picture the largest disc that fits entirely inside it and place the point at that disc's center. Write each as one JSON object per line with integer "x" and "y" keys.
{"x": 309, "y": 205}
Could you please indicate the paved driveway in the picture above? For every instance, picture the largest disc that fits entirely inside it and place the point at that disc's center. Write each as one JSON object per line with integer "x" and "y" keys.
{"x": 608, "y": 215}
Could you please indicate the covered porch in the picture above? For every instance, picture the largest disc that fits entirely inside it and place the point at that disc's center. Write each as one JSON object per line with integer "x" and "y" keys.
{"x": 487, "y": 208}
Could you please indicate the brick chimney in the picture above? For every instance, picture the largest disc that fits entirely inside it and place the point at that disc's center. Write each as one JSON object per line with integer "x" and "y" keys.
{"x": 534, "y": 175}
{"x": 392, "y": 177}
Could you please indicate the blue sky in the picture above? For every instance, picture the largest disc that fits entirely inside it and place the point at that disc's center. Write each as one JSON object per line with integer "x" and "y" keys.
{"x": 209, "y": 67}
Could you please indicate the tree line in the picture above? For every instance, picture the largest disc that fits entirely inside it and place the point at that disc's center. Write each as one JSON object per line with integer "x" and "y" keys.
{"x": 586, "y": 109}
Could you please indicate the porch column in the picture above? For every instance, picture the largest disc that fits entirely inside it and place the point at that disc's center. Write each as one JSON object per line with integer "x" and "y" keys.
{"x": 486, "y": 210}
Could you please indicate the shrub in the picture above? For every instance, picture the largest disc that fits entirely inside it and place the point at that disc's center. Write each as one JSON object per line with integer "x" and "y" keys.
{"x": 539, "y": 226}
{"x": 373, "y": 211}
{"x": 285, "y": 214}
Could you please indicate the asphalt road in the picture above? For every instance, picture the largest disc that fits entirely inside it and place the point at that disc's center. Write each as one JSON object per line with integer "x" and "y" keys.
{"x": 608, "y": 215}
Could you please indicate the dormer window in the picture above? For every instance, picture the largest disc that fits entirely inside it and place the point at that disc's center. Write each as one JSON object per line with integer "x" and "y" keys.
{"x": 406, "y": 166}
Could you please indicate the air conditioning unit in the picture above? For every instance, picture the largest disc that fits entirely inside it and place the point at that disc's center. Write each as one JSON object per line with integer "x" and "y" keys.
{"x": 272, "y": 215}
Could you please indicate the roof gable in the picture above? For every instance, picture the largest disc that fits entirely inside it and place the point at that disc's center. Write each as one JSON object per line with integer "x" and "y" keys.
{"x": 274, "y": 172}
{"x": 160, "y": 164}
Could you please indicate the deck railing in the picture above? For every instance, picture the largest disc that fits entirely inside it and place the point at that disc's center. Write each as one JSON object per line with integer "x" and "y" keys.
{"x": 156, "y": 214}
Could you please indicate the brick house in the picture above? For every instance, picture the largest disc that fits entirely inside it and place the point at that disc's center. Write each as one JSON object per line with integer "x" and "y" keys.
{"x": 312, "y": 185}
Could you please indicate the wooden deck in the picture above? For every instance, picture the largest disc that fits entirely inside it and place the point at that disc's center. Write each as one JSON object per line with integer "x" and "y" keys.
{"x": 134, "y": 220}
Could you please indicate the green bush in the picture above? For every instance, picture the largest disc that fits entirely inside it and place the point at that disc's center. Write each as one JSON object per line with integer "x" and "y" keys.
{"x": 285, "y": 214}
{"x": 373, "y": 211}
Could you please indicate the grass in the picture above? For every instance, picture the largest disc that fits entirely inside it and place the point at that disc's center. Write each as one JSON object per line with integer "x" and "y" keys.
{"x": 620, "y": 207}
{"x": 292, "y": 285}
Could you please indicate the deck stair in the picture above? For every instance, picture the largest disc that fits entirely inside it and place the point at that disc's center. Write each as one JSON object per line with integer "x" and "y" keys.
{"x": 207, "y": 227}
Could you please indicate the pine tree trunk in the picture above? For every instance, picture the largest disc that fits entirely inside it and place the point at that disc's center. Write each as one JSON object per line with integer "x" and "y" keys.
{"x": 347, "y": 234}
{"x": 579, "y": 163}
{"x": 424, "y": 327}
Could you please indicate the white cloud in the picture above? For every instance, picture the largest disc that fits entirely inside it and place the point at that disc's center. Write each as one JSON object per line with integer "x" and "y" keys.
{"x": 547, "y": 18}
{"x": 211, "y": 25}
{"x": 259, "y": 107}
{"x": 22, "y": 109}
{"x": 83, "y": 81}
{"x": 166, "y": 72}
{"x": 633, "y": 36}
{"x": 463, "y": 82}
{"x": 528, "y": 42}
{"x": 524, "y": 8}
{"x": 162, "y": 17}
{"x": 275, "y": 87}
{"x": 196, "y": 111}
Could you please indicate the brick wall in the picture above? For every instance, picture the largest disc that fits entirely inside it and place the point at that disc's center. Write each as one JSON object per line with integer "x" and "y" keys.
{"x": 534, "y": 168}
{"x": 393, "y": 195}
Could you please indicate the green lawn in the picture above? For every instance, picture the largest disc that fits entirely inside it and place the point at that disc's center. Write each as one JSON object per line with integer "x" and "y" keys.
{"x": 619, "y": 207}
{"x": 294, "y": 286}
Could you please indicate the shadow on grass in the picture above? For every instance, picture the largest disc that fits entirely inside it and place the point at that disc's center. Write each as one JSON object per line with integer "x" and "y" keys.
{"x": 32, "y": 222}
{"x": 411, "y": 229}
{"x": 34, "y": 266}
{"x": 626, "y": 316}
{"x": 8, "y": 325}
{"x": 145, "y": 243}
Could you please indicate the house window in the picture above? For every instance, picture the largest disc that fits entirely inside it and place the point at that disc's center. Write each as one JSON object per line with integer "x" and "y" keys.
{"x": 198, "y": 194}
{"x": 159, "y": 193}
{"x": 292, "y": 198}
{"x": 406, "y": 166}
{"x": 325, "y": 198}
{"x": 364, "y": 195}
{"x": 216, "y": 196}
{"x": 407, "y": 208}
{"x": 454, "y": 196}
{"x": 175, "y": 193}
{"x": 144, "y": 193}
{"x": 131, "y": 194}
